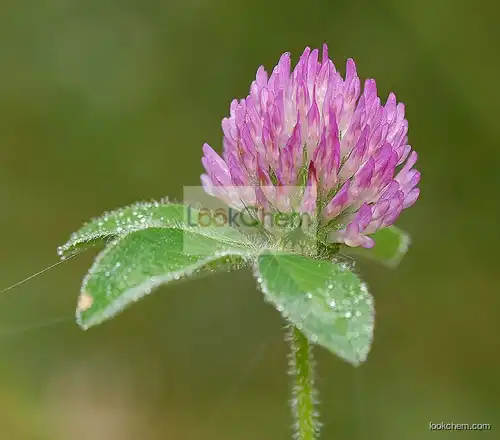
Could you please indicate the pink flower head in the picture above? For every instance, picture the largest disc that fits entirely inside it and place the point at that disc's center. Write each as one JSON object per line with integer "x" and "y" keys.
{"x": 312, "y": 128}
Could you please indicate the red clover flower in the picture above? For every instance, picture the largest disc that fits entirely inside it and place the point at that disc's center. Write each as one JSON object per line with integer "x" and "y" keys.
{"x": 313, "y": 129}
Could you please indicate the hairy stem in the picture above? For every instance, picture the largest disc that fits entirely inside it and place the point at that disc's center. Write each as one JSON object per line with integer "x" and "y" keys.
{"x": 306, "y": 425}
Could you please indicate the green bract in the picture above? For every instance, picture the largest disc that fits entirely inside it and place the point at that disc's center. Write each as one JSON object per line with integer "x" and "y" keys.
{"x": 391, "y": 245}
{"x": 323, "y": 299}
{"x": 132, "y": 266}
{"x": 151, "y": 244}
{"x": 121, "y": 221}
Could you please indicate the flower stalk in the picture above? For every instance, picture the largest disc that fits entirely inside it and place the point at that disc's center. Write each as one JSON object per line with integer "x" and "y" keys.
{"x": 305, "y": 417}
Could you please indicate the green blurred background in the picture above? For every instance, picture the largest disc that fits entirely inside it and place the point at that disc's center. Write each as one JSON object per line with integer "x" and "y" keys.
{"x": 105, "y": 102}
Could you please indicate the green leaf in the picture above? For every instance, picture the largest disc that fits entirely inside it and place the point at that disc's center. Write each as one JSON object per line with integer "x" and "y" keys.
{"x": 122, "y": 221}
{"x": 323, "y": 299}
{"x": 138, "y": 262}
{"x": 391, "y": 245}
{"x": 148, "y": 215}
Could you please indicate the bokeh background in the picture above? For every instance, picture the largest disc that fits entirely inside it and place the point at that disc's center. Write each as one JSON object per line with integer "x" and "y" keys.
{"x": 106, "y": 102}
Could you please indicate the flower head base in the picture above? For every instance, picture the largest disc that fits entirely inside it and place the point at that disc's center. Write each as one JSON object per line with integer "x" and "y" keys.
{"x": 314, "y": 129}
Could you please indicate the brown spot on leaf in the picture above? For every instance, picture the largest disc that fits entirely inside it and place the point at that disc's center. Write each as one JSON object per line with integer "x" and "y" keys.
{"x": 85, "y": 302}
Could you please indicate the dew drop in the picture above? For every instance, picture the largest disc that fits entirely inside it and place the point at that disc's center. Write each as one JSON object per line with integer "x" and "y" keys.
{"x": 309, "y": 295}
{"x": 348, "y": 314}
{"x": 332, "y": 304}
{"x": 314, "y": 337}
{"x": 107, "y": 274}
